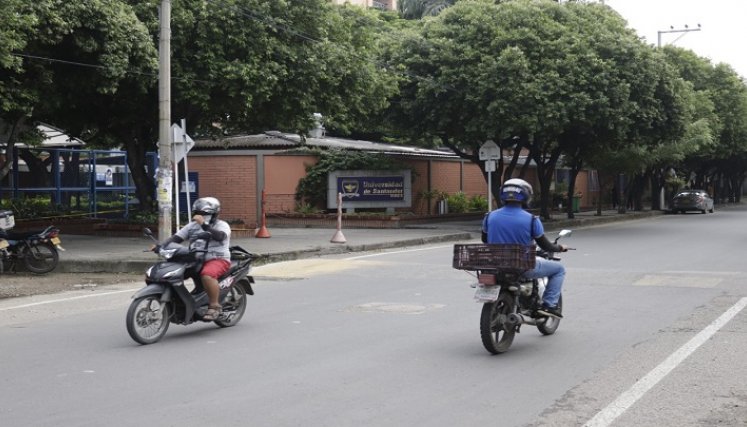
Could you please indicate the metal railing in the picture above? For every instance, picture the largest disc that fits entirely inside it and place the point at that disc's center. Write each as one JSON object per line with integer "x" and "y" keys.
{"x": 96, "y": 181}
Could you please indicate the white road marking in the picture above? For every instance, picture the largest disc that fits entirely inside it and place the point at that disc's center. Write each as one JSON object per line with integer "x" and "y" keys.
{"x": 53, "y": 301}
{"x": 606, "y": 416}
{"x": 399, "y": 252}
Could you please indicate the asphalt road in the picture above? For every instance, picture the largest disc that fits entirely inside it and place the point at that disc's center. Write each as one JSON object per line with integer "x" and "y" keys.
{"x": 653, "y": 336}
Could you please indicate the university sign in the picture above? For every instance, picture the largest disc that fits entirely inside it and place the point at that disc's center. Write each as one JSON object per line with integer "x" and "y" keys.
{"x": 370, "y": 189}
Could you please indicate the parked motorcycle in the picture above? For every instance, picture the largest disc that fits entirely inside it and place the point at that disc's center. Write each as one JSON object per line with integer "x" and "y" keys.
{"x": 165, "y": 299}
{"x": 509, "y": 300}
{"x": 38, "y": 251}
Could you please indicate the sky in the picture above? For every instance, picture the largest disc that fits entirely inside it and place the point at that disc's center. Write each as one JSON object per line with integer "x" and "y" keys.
{"x": 722, "y": 38}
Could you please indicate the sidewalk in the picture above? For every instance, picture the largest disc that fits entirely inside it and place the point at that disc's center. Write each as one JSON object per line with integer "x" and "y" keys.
{"x": 92, "y": 254}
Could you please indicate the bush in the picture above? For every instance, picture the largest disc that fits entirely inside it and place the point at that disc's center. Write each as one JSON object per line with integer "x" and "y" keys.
{"x": 458, "y": 203}
{"x": 478, "y": 203}
{"x": 33, "y": 207}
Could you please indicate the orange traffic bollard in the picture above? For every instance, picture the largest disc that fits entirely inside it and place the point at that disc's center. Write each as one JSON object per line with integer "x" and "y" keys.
{"x": 263, "y": 232}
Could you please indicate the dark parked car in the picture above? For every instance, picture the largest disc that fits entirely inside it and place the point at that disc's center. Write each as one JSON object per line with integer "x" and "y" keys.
{"x": 692, "y": 200}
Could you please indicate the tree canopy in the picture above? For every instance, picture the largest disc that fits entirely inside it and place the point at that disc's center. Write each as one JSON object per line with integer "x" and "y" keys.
{"x": 567, "y": 83}
{"x": 561, "y": 80}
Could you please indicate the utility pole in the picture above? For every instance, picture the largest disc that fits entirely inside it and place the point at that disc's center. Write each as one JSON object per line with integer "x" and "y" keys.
{"x": 164, "y": 175}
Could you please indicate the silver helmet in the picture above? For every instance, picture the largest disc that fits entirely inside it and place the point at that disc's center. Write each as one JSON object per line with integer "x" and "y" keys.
{"x": 516, "y": 190}
{"x": 208, "y": 207}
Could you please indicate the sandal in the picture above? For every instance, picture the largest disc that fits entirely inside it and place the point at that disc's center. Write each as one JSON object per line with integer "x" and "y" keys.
{"x": 212, "y": 314}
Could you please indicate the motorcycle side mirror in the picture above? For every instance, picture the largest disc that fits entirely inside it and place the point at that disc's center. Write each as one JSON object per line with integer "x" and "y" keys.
{"x": 564, "y": 233}
{"x": 147, "y": 232}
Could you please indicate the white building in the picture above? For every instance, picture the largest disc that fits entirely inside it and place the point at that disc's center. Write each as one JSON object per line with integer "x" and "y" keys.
{"x": 378, "y": 4}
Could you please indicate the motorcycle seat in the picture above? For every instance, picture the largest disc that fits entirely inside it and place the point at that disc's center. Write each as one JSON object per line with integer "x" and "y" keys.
{"x": 18, "y": 235}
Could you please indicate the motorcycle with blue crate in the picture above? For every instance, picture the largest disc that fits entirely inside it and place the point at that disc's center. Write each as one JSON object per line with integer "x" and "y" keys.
{"x": 509, "y": 299}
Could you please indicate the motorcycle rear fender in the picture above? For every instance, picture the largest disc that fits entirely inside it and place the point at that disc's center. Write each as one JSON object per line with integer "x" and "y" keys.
{"x": 246, "y": 282}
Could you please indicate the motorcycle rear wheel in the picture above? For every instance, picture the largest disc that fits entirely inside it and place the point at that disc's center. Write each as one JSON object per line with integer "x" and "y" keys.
{"x": 41, "y": 258}
{"x": 234, "y": 307}
{"x": 496, "y": 333}
{"x": 148, "y": 319}
{"x": 550, "y": 325}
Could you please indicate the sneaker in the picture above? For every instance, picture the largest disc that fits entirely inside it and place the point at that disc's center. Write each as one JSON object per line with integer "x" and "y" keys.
{"x": 550, "y": 311}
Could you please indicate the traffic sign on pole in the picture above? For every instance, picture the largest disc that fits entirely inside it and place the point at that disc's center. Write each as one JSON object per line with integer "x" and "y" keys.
{"x": 489, "y": 153}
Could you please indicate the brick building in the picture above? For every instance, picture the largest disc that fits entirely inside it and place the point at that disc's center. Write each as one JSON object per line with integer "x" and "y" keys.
{"x": 237, "y": 170}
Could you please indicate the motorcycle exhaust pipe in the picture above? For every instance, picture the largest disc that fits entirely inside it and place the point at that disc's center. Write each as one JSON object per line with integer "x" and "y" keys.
{"x": 520, "y": 319}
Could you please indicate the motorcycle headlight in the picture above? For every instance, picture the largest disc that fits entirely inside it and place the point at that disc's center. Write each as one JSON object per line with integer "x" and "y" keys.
{"x": 167, "y": 253}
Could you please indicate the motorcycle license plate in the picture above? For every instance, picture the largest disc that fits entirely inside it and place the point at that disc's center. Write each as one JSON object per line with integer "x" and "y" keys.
{"x": 4, "y": 244}
{"x": 55, "y": 240}
{"x": 487, "y": 293}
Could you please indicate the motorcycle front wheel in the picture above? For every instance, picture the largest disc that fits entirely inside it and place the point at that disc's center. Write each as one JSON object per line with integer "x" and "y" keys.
{"x": 496, "y": 332}
{"x": 550, "y": 325}
{"x": 41, "y": 258}
{"x": 148, "y": 319}
{"x": 234, "y": 306}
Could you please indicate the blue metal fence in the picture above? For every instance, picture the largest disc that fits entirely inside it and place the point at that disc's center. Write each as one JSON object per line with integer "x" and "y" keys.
{"x": 73, "y": 176}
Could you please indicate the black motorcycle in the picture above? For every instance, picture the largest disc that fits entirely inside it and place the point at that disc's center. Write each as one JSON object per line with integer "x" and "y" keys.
{"x": 38, "y": 251}
{"x": 165, "y": 299}
{"x": 509, "y": 299}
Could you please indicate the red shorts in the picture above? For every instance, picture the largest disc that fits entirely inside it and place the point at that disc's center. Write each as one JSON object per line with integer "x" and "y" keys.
{"x": 215, "y": 267}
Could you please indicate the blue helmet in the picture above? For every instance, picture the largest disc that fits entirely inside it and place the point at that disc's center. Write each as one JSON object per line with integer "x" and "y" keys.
{"x": 516, "y": 190}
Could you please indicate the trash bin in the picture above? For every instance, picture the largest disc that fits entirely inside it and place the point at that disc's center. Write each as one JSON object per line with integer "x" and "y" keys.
{"x": 576, "y": 203}
{"x": 443, "y": 207}
{"x": 7, "y": 220}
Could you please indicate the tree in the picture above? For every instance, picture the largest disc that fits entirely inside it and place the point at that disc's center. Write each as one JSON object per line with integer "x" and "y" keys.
{"x": 250, "y": 65}
{"x": 729, "y": 96}
{"x": 70, "y": 64}
{"x": 237, "y": 66}
{"x": 535, "y": 75}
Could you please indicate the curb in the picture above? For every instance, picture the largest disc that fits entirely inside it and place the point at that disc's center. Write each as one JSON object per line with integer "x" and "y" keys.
{"x": 557, "y": 225}
{"x": 98, "y": 266}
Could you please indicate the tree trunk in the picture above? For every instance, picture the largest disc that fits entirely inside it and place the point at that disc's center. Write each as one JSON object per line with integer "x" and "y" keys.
{"x": 575, "y": 169}
{"x": 656, "y": 187}
{"x": 40, "y": 177}
{"x": 144, "y": 182}
{"x": 10, "y": 131}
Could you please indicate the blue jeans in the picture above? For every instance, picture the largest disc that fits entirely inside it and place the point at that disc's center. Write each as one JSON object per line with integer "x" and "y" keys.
{"x": 555, "y": 273}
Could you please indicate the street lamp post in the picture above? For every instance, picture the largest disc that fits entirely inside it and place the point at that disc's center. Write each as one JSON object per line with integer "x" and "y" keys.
{"x": 662, "y": 192}
{"x": 675, "y": 30}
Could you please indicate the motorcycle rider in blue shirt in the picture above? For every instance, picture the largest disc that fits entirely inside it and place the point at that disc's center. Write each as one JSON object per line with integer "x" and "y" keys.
{"x": 511, "y": 224}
